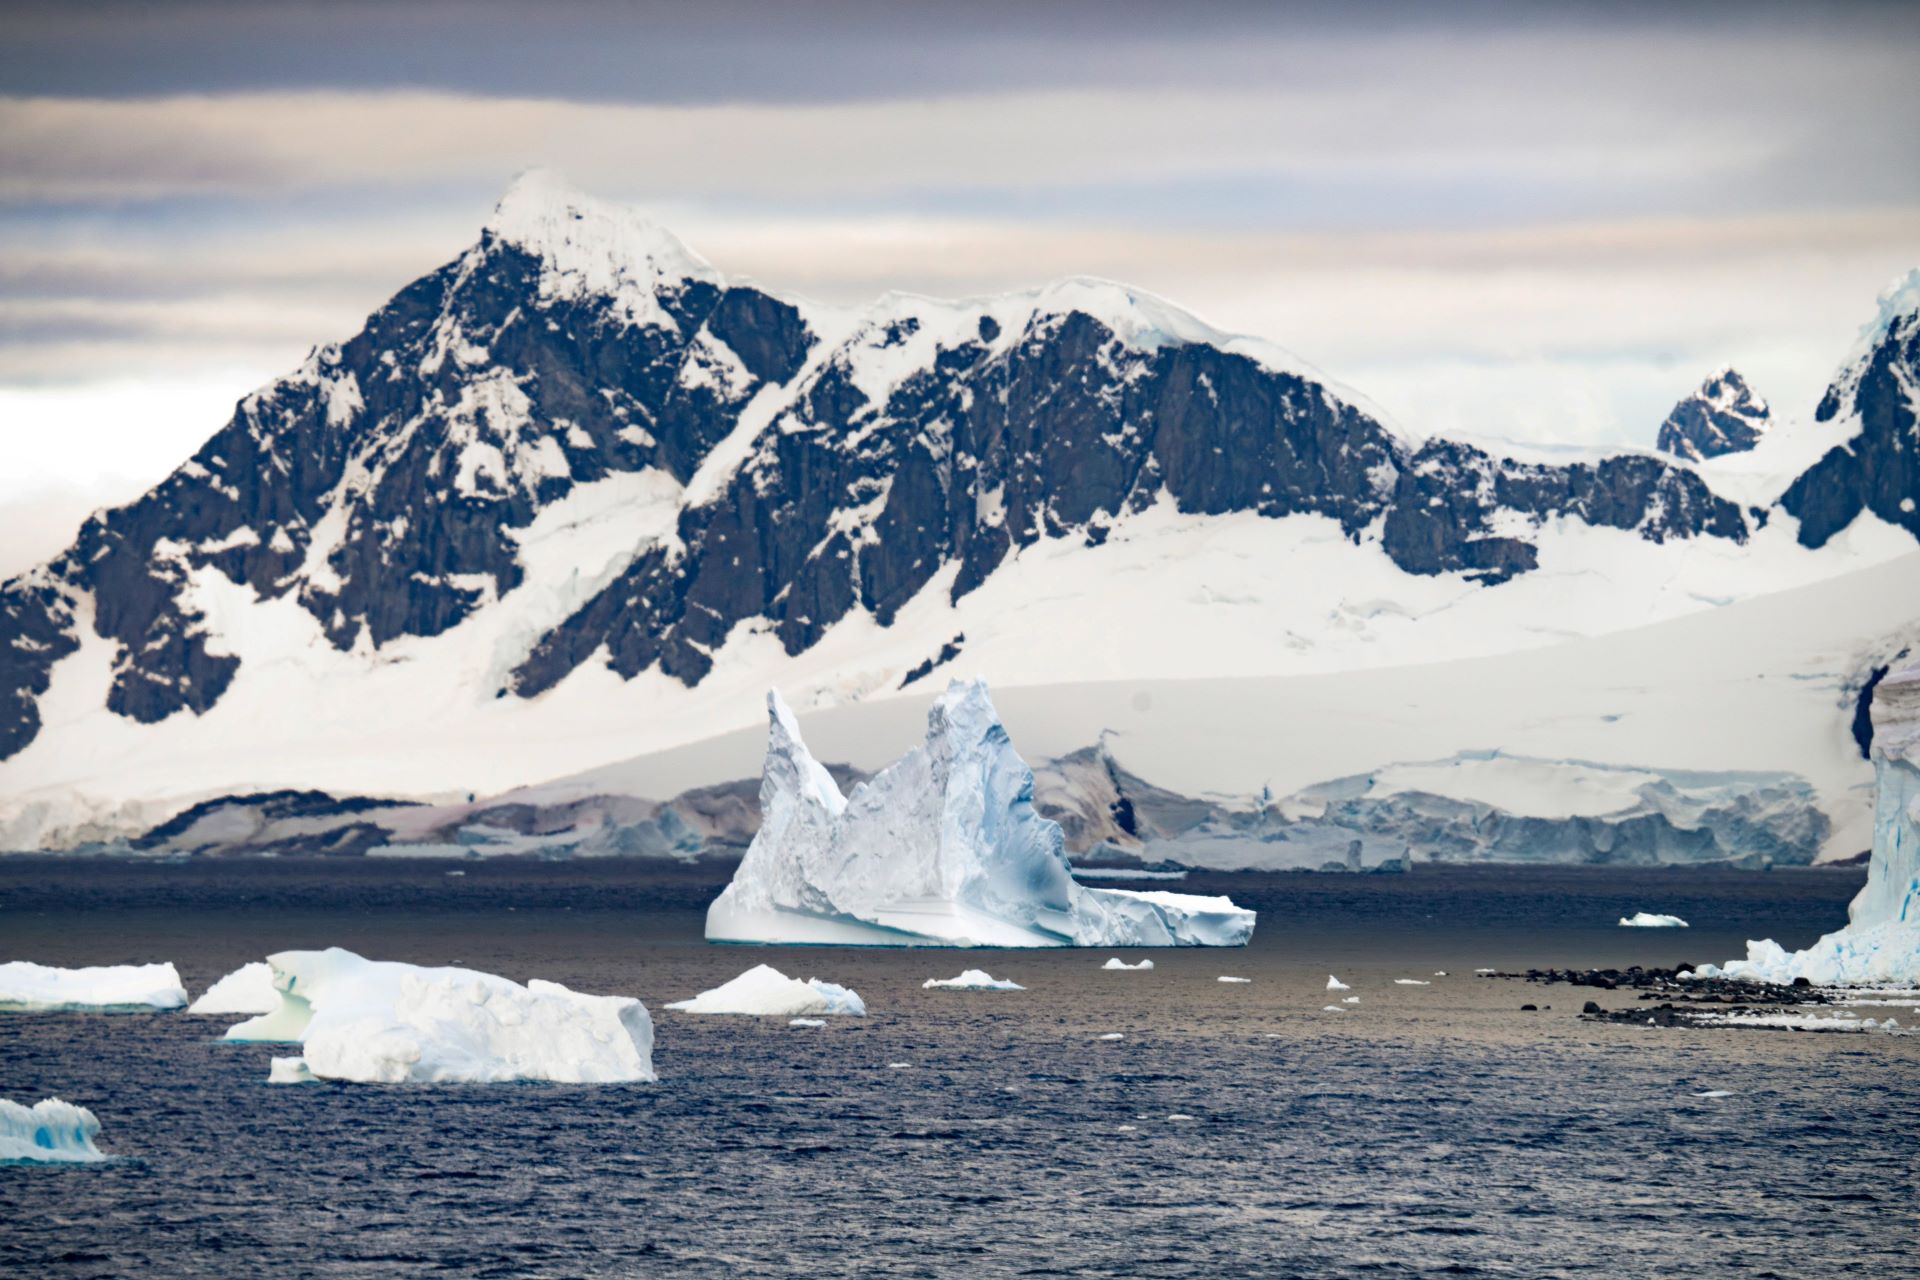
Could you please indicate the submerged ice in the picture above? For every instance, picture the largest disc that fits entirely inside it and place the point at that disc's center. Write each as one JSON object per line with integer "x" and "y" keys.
{"x": 48, "y": 1132}
{"x": 1881, "y": 943}
{"x": 941, "y": 848}
{"x": 26, "y": 987}
{"x": 380, "y": 1021}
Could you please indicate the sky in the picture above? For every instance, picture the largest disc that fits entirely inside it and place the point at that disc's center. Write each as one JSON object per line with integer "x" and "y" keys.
{"x": 1535, "y": 222}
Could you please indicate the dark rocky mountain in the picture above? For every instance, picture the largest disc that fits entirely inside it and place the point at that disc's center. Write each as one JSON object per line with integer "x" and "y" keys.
{"x": 831, "y": 463}
{"x": 1722, "y": 417}
{"x": 1877, "y": 469}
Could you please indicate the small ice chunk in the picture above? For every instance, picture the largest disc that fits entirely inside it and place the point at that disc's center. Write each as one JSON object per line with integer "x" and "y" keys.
{"x": 1650, "y": 920}
{"x": 1486, "y": 971}
{"x": 248, "y": 989}
{"x": 1178, "y": 1116}
{"x": 1111, "y": 1035}
{"x": 895, "y": 1066}
{"x": 1129, "y": 1128}
{"x": 290, "y": 1071}
{"x": 48, "y": 1132}
{"x": 1411, "y": 982}
{"x": 1439, "y": 973}
{"x": 1334, "y": 984}
{"x": 806, "y": 1022}
{"x": 974, "y": 980}
{"x": 1332, "y": 1008}
{"x": 1715, "y": 1093}
{"x": 1350, "y": 1000}
{"x": 26, "y": 987}
{"x": 1229, "y": 978}
{"x": 1115, "y": 962}
{"x": 764, "y": 990}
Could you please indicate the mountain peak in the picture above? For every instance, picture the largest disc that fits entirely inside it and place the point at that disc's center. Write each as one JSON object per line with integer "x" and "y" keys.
{"x": 1723, "y": 416}
{"x": 590, "y": 244}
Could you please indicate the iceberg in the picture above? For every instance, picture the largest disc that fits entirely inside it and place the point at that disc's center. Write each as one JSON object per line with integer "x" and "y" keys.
{"x": 248, "y": 989}
{"x": 1116, "y": 963}
{"x": 48, "y": 1132}
{"x": 941, "y": 848}
{"x": 974, "y": 980}
{"x": 764, "y": 990}
{"x": 1228, "y": 978}
{"x": 1650, "y": 920}
{"x": 1334, "y": 984}
{"x": 380, "y": 1021}
{"x": 26, "y": 987}
{"x": 1881, "y": 943}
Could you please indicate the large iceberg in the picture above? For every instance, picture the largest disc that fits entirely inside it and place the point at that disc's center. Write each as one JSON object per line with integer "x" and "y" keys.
{"x": 248, "y": 989}
{"x": 379, "y": 1021}
{"x": 26, "y": 987}
{"x": 941, "y": 848}
{"x": 48, "y": 1132}
{"x": 763, "y": 989}
{"x": 1881, "y": 943}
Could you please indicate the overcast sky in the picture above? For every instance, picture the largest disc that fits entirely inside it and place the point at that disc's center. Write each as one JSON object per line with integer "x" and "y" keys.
{"x": 1535, "y": 222}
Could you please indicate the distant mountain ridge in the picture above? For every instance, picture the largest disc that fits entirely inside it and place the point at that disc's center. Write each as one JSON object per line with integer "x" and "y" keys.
{"x": 783, "y": 468}
{"x": 1722, "y": 417}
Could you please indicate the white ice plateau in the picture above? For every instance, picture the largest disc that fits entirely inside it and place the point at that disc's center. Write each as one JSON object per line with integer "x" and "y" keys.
{"x": 764, "y": 990}
{"x": 1881, "y": 943}
{"x": 248, "y": 989}
{"x": 26, "y": 987}
{"x": 48, "y": 1132}
{"x": 380, "y": 1021}
{"x": 941, "y": 848}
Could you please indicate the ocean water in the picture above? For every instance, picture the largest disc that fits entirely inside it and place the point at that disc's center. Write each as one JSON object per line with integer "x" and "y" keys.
{"x": 1235, "y": 1130}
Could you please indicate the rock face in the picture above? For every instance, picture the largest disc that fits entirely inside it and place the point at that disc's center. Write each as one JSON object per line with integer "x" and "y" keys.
{"x": 1876, "y": 398}
{"x": 1881, "y": 943}
{"x": 825, "y": 464}
{"x": 941, "y": 848}
{"x": 1723, "y": 416}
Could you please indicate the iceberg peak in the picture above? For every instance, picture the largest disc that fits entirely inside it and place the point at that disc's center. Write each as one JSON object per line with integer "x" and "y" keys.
{"x": 941, "y": 848}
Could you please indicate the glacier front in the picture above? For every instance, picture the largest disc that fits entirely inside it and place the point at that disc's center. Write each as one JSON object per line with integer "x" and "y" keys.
{"x": 941, "y": 848}
{"x": 380, "y": 1021}
{"x": 1881, "y": 943}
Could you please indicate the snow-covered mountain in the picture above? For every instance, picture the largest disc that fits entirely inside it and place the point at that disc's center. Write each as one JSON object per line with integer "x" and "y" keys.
{"x": 1723, "y": 416}
{"x": 578, "y": 495}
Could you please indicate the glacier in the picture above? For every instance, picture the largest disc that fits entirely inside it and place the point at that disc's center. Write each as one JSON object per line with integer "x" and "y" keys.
{"x": 26, "y": 987}
{"x": 248, "y": 989}
{"x": 381, "y": 1021}
{"x": 764, "y": 990}
{"x": 48, "y": 1132}
{"x": 1881, "y": 942}
{"x": 940, "y": 848}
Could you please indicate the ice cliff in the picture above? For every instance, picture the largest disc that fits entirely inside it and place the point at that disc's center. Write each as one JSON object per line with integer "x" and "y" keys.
{"x": 1881, "y": 943}
{"x": 941, "y": 848}
{"x": 377, "y": 1021}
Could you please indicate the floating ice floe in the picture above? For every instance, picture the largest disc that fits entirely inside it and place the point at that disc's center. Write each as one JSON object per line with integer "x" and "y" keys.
{"x": 1332, "y": 1008}
{"x": 1411, "y": 982}
{"x": 1334, "y": 984}
{"x": 806, "y": 1022}
{"x": 764, "y": 990}
{"x": 941, "y": 848}
{"x": 1714, "y": 1093}
{"x": 1111, "y": 1035}
{"x": 1227, "y": 978}
{"x": 1116, "y": 963}
{"x": 974, "y": 980}
{"x": 1650, "y": 920}
{"x": 248, "y": 989}
{"x": 1350, "y": 1000}
{"x": 26, "y": 987}
{"x": 48, "y": 1132}
{"x": 380, "y": 1021}
{"x": 1881, "y": 943}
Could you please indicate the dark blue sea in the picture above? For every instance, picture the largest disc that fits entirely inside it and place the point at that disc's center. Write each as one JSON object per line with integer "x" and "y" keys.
{"x": 1430, "y": 1130}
